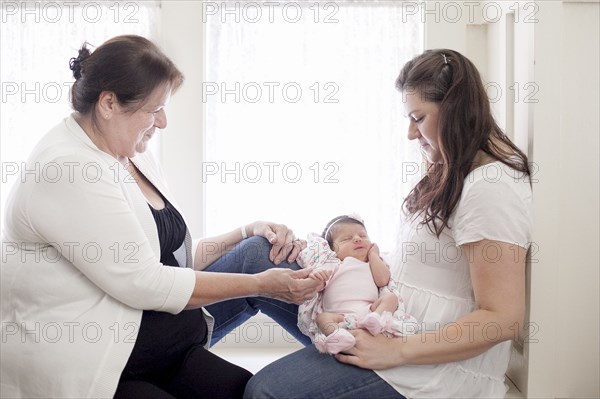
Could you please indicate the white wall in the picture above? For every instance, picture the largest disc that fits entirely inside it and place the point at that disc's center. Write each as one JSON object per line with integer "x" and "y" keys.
{"x": 564, "y": 295}
{"x": 182, "y": 146}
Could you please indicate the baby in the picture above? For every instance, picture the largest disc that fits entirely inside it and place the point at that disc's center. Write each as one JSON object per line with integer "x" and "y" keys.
{"x": 358, "y": 293}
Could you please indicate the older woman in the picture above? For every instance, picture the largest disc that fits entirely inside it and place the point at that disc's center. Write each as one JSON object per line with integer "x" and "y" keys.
{"x": 461, "y": 263}
{"x": 102, "y": 291}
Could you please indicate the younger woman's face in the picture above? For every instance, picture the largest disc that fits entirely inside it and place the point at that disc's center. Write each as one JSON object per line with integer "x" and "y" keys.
{"x": 423, "y": 125}
{"x": 351, "y": 239}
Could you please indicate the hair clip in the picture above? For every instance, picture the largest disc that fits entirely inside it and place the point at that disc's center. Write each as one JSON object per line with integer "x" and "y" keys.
{"x": 445, "y": 59}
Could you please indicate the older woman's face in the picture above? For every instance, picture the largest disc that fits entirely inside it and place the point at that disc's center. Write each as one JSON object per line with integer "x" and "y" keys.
{"x": 134, "y": 130}
{"x": 423, "y": 116}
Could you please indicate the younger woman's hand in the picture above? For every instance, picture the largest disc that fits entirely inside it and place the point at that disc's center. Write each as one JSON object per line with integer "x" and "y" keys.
{"x": 375, "y": 353}
{"x": 285, "y": 244}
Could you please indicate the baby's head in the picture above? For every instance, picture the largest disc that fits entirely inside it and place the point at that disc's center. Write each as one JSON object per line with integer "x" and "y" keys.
{"x": 347, "y": 236}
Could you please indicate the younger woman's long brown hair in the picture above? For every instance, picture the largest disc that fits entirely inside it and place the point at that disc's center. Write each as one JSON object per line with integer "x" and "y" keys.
{"x": 466, "y": 125}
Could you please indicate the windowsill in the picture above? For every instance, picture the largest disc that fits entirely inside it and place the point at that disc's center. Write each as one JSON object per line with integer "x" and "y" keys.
{"x": 253, "y": 359}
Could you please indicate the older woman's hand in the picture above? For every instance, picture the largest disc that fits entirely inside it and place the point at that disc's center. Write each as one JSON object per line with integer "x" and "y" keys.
{"x": 292, "y": 286}
{"x": 285, "y": 244}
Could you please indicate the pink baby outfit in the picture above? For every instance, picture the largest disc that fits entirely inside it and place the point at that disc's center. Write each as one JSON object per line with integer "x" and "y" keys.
{"x": 349, "y": 291}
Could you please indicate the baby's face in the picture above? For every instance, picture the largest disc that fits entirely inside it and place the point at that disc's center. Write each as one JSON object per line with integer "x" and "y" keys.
{"x": 351, "y": 240}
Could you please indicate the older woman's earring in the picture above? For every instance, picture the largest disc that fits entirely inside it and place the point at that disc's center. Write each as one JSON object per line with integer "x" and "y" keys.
{"x": 105, "y": 116}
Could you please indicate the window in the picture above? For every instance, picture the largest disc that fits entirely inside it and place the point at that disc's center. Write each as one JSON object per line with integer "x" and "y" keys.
{"x": 303, "y": 121}
{"x": 37, "y": 39}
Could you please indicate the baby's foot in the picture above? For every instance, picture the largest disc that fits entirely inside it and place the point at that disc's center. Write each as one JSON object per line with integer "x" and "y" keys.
{"x": 320, "y": 342}
{"x": 373, "y": 323}
{"x": 337, "y": 342}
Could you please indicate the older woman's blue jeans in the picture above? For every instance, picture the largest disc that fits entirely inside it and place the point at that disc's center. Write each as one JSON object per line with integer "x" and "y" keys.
{"x": 249, "y": 257}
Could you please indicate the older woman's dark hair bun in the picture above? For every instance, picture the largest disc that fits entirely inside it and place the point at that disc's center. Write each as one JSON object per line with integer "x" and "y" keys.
{"x": 75, "y": 62}
{"x": 130, "y": 66}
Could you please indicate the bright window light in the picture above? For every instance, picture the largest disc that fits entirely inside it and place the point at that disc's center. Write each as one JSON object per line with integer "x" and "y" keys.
{"x": 37, "y": 39}
{"x": 303, "y": 122}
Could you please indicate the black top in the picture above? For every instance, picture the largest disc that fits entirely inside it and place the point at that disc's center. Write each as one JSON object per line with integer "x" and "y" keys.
{"x": 171, "y": 232}
{"x": 163, "y": 338}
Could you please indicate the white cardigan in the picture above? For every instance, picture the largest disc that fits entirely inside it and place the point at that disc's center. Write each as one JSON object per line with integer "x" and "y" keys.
{"x": 80, "y": 261}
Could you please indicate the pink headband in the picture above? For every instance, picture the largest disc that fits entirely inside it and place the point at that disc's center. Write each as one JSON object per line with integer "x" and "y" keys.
{"x": 354, "y": 216}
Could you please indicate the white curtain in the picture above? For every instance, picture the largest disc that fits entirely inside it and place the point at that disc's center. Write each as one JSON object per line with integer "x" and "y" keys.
{"x": 37, "y": 39}
{"x": 303, "y": 122}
